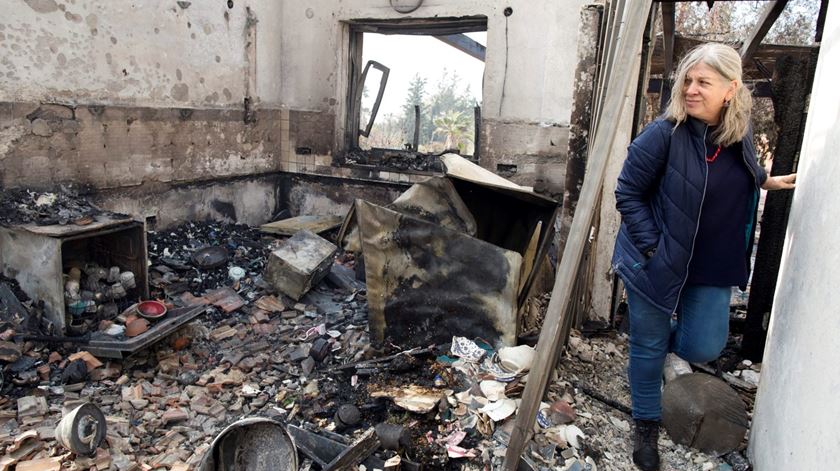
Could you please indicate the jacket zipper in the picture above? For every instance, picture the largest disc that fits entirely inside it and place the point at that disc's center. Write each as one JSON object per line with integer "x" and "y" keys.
{"x": 697, "y": 226}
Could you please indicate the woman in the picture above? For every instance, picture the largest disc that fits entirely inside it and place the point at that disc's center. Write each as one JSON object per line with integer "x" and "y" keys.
{"x": 687, "y": 196}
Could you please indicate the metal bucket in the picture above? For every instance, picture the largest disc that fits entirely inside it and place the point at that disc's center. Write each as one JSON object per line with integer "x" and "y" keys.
{"x": 253, "y": 444}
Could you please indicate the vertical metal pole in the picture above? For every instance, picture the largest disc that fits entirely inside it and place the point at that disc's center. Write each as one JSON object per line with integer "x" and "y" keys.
{"x": 416, "y": 141}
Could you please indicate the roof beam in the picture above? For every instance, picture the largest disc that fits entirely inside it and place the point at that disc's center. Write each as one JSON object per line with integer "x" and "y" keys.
{"x": 771, "y": 12}
{"x": 465, "y": 44}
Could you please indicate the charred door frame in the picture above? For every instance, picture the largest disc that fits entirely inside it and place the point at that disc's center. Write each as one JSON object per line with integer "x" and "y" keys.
{"x": 355, "y": 79}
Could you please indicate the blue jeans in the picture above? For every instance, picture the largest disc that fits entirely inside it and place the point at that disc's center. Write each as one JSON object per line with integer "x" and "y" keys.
{"x": 698, "y": 336}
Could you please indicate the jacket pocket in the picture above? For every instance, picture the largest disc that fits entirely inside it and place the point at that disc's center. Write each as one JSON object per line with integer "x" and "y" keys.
{"x": 632, "y": 257}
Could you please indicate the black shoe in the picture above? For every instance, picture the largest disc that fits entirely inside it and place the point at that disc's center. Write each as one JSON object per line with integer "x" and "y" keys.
{"x": 645, "y": 448}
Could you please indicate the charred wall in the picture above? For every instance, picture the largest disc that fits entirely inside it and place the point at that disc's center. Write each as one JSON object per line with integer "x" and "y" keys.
{"x": 309, "y": 194}
{"x": 115, "y": 147}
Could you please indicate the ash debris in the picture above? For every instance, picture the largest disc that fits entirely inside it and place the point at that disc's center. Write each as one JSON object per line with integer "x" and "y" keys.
{"x": 65, "y": 205}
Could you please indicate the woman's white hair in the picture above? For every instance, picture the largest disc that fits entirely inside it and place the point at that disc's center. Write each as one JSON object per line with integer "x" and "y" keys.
{"x": 735, "y": 118}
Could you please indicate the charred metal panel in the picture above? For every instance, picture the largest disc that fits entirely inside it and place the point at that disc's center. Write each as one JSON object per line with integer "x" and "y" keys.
{"x": 446, "y": 257}
{"x": 434, "y": 200}
{"x": 427, "y": 283}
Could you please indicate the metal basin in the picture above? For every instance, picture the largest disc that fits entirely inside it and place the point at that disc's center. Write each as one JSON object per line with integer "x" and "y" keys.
{"x": 253, "y": 444}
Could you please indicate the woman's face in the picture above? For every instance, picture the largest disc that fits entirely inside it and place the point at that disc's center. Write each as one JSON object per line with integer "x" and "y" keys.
{"x": 705, "y": 91}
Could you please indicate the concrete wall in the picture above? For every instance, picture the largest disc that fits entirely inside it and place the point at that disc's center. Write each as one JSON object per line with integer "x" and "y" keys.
{"x": 145, "y": 53}
{"x": 795, "y": 419}
{"x": 148, "y": 96}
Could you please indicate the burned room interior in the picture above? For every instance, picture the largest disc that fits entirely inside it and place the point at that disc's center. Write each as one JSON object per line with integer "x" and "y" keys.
{"x": 377, "y": 234}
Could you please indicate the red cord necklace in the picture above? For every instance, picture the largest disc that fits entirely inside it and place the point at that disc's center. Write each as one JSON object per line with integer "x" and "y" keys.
{"x": 714, "y": 156}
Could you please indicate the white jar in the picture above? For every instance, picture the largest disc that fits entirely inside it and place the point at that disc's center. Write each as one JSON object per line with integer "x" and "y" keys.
{"x": 127, "y": 280}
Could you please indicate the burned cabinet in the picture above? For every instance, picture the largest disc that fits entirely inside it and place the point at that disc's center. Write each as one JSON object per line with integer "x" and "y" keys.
{"x": 39, "y": 257}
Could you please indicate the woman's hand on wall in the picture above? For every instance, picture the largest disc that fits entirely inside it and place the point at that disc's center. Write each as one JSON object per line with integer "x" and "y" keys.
{"x": 780, "y": 182}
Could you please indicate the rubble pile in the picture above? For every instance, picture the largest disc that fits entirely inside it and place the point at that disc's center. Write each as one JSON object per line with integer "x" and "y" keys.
{"x": 308, "y": 364}
{"x": 258, "y": 355}
{"x": 592, "y": 373}
{"x": 405, "y": 160}
{"x": 64, "y": 206}
{"x": 202, "y": 256}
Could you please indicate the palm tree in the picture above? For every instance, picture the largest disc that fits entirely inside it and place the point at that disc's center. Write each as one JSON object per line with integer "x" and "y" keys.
{"x": 454, "y": 126}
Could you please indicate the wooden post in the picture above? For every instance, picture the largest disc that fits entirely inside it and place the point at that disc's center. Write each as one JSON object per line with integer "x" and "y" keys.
{"x": 668, "y": 33}
{"x": 553, "y": 332}
{"x": 607, "y": 220}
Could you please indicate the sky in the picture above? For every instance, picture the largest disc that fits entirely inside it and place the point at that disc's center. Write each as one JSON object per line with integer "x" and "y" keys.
{"x": 409, "y": 55}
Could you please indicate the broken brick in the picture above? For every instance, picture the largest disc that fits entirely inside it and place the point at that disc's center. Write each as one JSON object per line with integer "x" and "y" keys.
{"x": 91, "y": 361}
{"x": 270, "y": 304}
{"x": 43, "y": 464}
{"x": 174, "y": 415}
{"x": 222, "y": 333}
{"x": 32, "y": 405}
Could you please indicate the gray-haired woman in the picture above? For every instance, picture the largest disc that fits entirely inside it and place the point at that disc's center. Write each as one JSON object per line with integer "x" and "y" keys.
{"x": 687, "y": 195}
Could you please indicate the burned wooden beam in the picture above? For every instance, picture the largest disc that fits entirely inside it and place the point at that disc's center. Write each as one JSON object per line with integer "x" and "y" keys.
{"x": 771, "y": 12}
{"x": 476, "y": 132}
{"x": 581, "y": 118}
{"x": 322, "y": 449}
{"x": 648, "y": 44}
{"x": 792, "y": 88}
{"x": 415, "y": 141}
{"x": 355, "y": 453}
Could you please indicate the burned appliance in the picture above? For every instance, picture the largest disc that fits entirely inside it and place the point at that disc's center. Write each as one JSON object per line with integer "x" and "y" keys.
{"x": 81, "y": 273}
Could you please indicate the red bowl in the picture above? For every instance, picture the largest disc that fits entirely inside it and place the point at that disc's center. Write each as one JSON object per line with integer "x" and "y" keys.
{"x": 151, "y": 309}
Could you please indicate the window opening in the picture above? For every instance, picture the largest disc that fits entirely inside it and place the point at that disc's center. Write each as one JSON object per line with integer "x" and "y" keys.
{"x": 415, "y": 93}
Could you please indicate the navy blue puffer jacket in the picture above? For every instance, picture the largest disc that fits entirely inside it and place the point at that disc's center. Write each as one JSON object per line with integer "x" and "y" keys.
{"x": 659, "y": 195}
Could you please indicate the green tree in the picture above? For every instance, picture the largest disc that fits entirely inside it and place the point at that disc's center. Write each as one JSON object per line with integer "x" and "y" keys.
{"x": 449, "y": 97}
